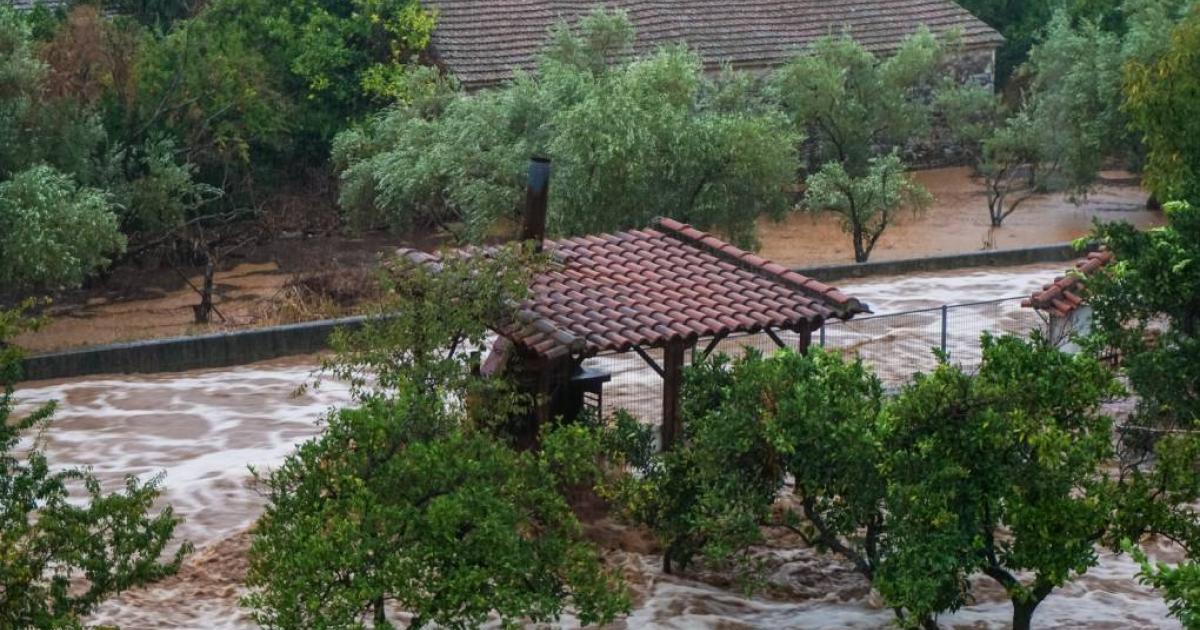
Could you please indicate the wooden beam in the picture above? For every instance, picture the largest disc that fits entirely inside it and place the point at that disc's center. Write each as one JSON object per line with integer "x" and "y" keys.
{"x": 649, "y": 361}
{"x": 672, "y": 422}
{"x": 774, "y": 337}
{"x": 712, "y": 344}
{"x": 804, "y": 330}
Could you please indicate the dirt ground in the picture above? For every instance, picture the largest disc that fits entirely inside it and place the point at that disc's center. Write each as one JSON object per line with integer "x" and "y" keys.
{"x": 265, "y": 285}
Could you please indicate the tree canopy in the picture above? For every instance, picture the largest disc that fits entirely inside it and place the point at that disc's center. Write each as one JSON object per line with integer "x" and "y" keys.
{"x": 630, "y": 141}
{"x": 860, "y": 110}
{"x": 412, "y": 499}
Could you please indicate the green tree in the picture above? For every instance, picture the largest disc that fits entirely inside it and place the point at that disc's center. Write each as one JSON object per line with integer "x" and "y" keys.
{"x": 855, "y": 105}
{"x": 413, "y": 497}
{"x": 867, "y": 204}
{"x": 53, "y": 233}
{"x": 708, "y": 498}
{"x": 1160, "y": 98}
{"x": 1146, "y": 310}
{"x": 66, "y": 545}
{"x": 999, "y": 472}
{"x": 630, "y": 140}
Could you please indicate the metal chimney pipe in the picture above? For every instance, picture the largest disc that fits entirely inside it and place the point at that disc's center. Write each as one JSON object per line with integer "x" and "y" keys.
{"x": 536, "y": 197}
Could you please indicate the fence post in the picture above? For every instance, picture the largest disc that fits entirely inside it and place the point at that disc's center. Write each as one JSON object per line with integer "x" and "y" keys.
{"x": 945, "y": 325}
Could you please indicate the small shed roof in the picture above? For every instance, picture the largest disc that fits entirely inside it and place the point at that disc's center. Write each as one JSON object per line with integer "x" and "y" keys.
{"x": 670, "y": 282}
{"x": 482, "y": 41}
{"x": 1065, "y": 294}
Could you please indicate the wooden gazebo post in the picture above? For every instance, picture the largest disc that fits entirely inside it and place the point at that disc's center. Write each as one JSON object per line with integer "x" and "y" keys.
{"x": 672, "y": 421}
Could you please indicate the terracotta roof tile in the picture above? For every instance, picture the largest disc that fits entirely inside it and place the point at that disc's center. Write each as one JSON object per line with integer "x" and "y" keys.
{"x": 676, "y": 283}
{"x": 483, "y": 41}
{"x": 1063, "y": 296}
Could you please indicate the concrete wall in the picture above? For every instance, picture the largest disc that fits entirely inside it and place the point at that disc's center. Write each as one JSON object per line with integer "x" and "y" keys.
{"x": 249, "y": 346}
{"x": 188, "y": 353}
{"x": 999, "y": 258}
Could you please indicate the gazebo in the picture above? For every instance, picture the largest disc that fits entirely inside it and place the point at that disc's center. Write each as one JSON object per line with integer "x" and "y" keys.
{"x": 668, "y": 287}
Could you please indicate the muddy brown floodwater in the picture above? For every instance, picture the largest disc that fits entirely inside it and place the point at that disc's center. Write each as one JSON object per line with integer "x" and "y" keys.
{"x": 203, "y": 429}
{"x": 249, "y": 294}
{"x": 957, "y": 222}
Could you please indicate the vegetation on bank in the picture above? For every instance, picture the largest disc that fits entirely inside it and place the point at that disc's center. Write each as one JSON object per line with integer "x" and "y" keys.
{"x": 168, "y": 129}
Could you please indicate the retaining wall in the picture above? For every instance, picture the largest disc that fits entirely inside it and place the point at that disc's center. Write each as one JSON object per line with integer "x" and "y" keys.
{"x": 248, "y": 346}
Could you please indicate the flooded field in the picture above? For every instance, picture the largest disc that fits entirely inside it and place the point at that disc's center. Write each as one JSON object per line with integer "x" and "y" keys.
{"x": 202, "y": 429}
{"x": 135, "y": 306}
{"x": 957, "y": 222}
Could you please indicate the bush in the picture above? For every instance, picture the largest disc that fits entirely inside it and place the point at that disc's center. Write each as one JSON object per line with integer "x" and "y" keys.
{"x": 53, "y": 233}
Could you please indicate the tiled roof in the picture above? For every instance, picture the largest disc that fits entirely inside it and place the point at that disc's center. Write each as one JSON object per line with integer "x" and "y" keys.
{"x": 482, "y": 41}
{"x": 1064, "y": 295}
{"x": 25, "y": 5}
{"x": 611, "y": 292}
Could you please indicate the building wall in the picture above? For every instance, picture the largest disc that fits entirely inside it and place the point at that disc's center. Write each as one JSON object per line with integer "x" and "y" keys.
{"x": 970, "y": 67}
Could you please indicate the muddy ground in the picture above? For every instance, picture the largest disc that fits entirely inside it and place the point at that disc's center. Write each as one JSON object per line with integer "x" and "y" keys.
{"x": 297, "y": 279}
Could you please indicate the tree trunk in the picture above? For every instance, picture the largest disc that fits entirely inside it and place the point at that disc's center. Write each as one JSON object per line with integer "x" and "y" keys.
{"x": 380, "y": 614}
{"x": 1023, "y": 614}
{"x": 203, "y": 310}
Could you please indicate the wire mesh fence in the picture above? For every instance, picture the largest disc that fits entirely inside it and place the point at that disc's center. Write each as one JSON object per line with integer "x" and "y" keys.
{"x": 895, "y": 345}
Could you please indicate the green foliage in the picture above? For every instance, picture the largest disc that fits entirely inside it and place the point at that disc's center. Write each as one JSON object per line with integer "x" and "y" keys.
{"x": 1160, "y": 98}
{"x": 709, "y": 496}
{"x": 1180, "y": 586}
{"x": 999, "y": 473}
{"x": 1147, "y": 308}
{"x": 211, "y": 89}
{"x": 332, "y": 60}
{"x": 396, "y": 503}
{"x": 856, "y": 105}
{"x": 630, "y": 141}
{"x": 1023, "y": 22}
{"x": 867, "y": 204}
{"x": 65, "y": 545}
{"x": 53, "y": 232}
{"x": 1075, "y": 96}
{"x": 34, "y": 129}
{"x": 67, "y": 177}
{"x": 996, "y": 473}
{"x": 853, "y": 102}
{"x": 412, "y": 497}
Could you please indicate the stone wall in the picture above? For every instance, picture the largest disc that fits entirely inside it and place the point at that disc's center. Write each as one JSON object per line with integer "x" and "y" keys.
{"x": 970, "y": 67}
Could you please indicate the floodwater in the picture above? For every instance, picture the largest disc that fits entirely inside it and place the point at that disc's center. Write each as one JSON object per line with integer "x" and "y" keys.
{"x": 249, "y": 294}
{"x": 202, "y": 429}
{"x": 957, "y": 222}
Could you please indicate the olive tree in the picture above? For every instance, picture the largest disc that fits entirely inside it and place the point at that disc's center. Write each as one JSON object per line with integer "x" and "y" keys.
{"x": 413, "y": 497}
{"x": 65, "y": 544}
{"x": 858, "y": 109}
{"x": 631, "y": 139}
{"x": 53, "y": 232}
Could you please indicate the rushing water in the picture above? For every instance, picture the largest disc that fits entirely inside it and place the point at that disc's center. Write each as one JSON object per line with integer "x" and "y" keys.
{"x": 203, "y": 429}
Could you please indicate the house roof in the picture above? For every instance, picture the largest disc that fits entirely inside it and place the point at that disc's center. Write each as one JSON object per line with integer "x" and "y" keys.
{"x": 1065, "y": 294}
{"x": 612, "y": 292}
{"x": 482, "y": 41}
{"x": 26, "y": 5}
